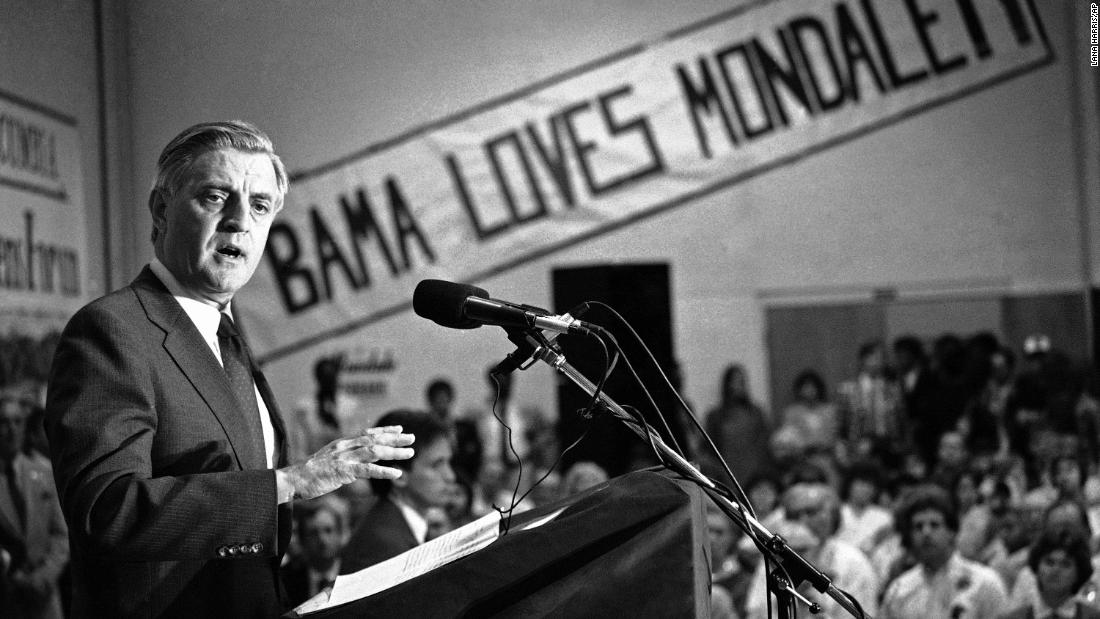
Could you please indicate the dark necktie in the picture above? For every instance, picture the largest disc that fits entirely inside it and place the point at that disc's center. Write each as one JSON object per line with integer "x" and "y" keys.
{"x": 238, "y": 367}
{"x": 16, "y": 496}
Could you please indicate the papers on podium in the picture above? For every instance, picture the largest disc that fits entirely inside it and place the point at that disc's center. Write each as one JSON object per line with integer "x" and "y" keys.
{"x": 420, "y": 560}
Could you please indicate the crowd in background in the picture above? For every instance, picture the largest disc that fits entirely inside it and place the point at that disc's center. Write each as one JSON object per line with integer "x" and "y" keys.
{"x": 961, "y": 475}
{"x": 999, "y": 446}
{"x": 958, "y": 483}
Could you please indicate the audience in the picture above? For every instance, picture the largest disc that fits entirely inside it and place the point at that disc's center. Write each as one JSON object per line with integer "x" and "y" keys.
{"x": 863, "y": 523}
{"x": 811, "y": 512}
{"x": 1061, "y": 566}
{"x": 942, "y": 583}
{"x": 398, "y": 519}
{"x": 729, "y": 582}
{"x": 811, "y": 415}
{"x": 871, "y": 406}
{"x": 738, "y": 427}
{"x": 322, "y": 532}
{"x": 34, "y": 543}
{"x": 963, "y": 478}
{"x": 582, "y": 476}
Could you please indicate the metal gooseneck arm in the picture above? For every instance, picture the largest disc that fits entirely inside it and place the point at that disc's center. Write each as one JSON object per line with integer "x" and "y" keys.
{"x": 794, "y": 564}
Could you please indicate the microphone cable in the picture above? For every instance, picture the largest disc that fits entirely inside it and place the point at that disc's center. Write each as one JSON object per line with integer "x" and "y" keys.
{"x": 741, "y": 494}
{"x": 506, "y": 513}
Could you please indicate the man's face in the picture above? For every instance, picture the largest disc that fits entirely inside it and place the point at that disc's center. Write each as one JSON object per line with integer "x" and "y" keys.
{"x": 214, "y": 227}
{"x": 428, "y": 480}
{"x": 932, "y": 540}
{"x": 810, "y": 505}
{"x": 440, "y": 403}
{"x": 322, "y": 537}
{"x": 13, "y": 421}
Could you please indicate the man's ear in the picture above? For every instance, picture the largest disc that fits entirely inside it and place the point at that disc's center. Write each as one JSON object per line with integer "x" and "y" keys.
{"x": 157, "y": 208}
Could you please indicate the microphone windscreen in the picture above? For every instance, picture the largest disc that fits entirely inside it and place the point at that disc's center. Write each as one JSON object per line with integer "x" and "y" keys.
{"x": 442, "y": 302}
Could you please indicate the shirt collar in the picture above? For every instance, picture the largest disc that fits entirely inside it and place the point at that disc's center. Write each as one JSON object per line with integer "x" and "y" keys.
{"x": 417, "y": 523}
{"x": 1067, "y": 610}
{"x": 205, "y": 316}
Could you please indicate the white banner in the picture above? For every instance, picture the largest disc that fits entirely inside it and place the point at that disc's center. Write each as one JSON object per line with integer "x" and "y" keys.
{"x": 619, "y": 139}
{"x": 42, "y": 239}
{"x": 42, "y": 235}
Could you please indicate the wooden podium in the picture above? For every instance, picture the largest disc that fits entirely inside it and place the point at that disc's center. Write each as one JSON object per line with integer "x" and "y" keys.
{"x": 635, "y": 546}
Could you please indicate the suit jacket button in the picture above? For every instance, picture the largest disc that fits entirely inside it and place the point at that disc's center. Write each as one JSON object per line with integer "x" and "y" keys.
{"x": 223, "y": 551}
{"x": 233, "y": 550}
{"x": 257, "y": 548}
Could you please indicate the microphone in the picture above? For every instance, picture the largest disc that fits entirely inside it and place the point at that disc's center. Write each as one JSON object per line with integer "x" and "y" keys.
{"x": 461, "y": 306}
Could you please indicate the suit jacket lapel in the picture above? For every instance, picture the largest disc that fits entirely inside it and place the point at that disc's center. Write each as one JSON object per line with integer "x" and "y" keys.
{"x": 193, "y": 356}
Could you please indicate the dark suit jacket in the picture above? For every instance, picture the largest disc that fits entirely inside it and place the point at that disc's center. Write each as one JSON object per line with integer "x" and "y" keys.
{"x": 295, "y": 575}
{"x": 39, "y": 547}
{"x": 381, "y": 534}
{"x": 171, "y": 512}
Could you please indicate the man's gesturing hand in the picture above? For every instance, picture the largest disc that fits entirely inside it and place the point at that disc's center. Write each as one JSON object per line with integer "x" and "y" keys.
{"x": 343, "y": 461}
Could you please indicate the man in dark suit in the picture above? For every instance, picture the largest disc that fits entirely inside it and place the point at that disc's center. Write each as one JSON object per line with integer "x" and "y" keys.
{"x": 34, "y": 546}
{"x": 168, "y": 449}
{"x": 322, "y": 526}
{"x": 396, "y": 522}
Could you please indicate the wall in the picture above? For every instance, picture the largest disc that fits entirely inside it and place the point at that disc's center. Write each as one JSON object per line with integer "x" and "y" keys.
{"x": 989, "y": 192}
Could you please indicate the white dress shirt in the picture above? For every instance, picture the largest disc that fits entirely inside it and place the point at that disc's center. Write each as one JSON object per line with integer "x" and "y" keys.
{"x": 417, "y": 523}
{"x": 206, "y": 318}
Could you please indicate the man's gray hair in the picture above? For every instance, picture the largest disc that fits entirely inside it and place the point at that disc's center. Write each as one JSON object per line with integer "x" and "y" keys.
{"x": 192, "y": 142}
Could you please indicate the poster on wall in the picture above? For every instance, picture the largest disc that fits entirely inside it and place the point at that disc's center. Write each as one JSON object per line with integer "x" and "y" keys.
{"x": 42, "y": 238}
{"x": 617, "y": 140}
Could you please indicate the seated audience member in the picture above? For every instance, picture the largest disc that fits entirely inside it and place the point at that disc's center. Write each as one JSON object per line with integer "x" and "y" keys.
{"x": 396, "y": 522}
{"x": 1060, "y": 563}
{"x": 890, "y": 558}
{"x": 811, "y": 414}
{"x": 787, "y": 448}
{"x": 729, "y": 581}
{"x": 1061, "y": 478}
{"x": 34, "y": 544}
{"x": 863, "y": 523}
{"x": 1068, "y": 474}
{"x": 439, "y": 523}
{"x": 582, "y": 476}
{"x": 1063, "y": 514}
{"x": 764, "y": 491}
{"x": 460, "y": 504}
{"x": 322, "y": 532}
{"x": 952, "y": 459}
{"x": 980, "y": 523}
{"x": 812, "y": 508}
{"x": 942, "y": 583}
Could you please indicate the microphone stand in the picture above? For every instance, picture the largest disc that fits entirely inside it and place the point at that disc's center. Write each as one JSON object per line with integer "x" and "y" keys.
{"x": 532, "y": 343}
